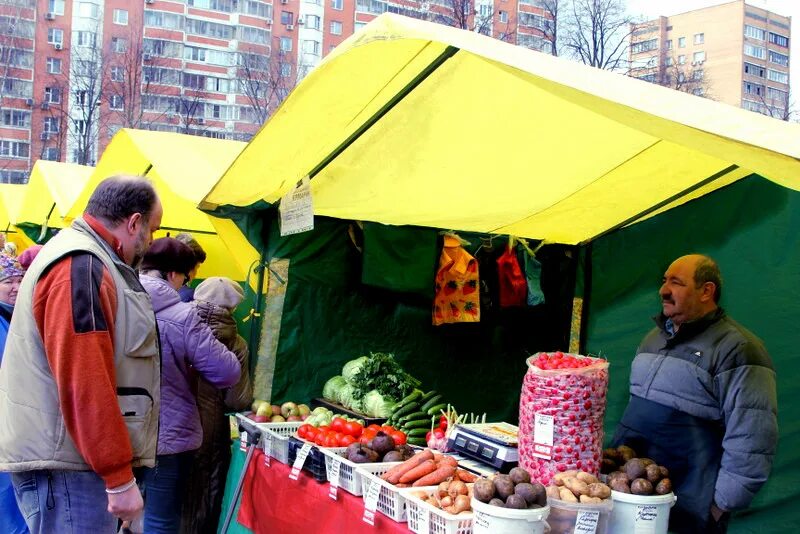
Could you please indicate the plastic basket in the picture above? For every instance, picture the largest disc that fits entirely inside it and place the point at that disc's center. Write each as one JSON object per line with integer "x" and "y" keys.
{"x": 391, "y": 499}
{"x": 349, "y": 476}
{"x": 277, "y": 434}
{"x": 439, "y": 521}
{"x": 315, "y": 462}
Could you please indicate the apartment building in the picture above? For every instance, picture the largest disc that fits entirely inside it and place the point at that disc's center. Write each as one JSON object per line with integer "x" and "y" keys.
{"x": 73, "y": 72}
{"x": 733, "y": 52}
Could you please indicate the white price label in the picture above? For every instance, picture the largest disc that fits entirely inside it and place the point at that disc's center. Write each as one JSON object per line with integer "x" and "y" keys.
{"x": 543, "y": 436}
{"x": 586, "y": 522}
{"x": 297, "y": 209}
{"x": 299, "y": 461}
{"x": 371, "y": 503}
{"x": 267, "y": 449}
{"x": 333, "y": 478}
{"x": 423, "y": 518}
{"x": 646, "y": 519}
{"x": 243, "y": 441}
{"x": 481, "y": 520}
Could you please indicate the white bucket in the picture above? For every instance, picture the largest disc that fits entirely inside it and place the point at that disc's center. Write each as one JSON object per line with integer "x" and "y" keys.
{"x": 490, "y": 519}
{"x": 639, "y": 514}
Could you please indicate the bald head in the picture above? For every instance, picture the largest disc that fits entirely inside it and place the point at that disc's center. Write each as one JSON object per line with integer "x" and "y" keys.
{"x": 691, "y": 288}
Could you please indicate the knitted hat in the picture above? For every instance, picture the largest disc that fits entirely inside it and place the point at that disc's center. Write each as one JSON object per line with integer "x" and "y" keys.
{"x": 9, "y": 266}
{"x": 28, "y": 255}
{"x": 221, "y": 291}
{"x": 168, "y": 255}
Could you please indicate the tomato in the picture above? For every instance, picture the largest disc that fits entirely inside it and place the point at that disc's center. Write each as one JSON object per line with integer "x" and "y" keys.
{"x": 370, "y": 432}
{"x": 346, "y": 440}
{"x": 374, "y": 427}
{"x": 398, "y": 437}
{"x": 311, "y": 434}
{"x": 324, "y": 428}
{"x": 352, "y": 428}
{"x": 337, "y": 424}
{"x": 331, "y": 441}
{"x": 388, "y": 429}
{"x": 319, "y": 439}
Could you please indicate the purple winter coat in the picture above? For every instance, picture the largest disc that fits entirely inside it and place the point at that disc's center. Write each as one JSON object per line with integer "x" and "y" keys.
{"x": 186, "y": 343}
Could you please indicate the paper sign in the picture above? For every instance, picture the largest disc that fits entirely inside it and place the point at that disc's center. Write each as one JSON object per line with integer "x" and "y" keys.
{"x": 646, "y": 518}
{"x": 302, "y": 454}
{"x": 371, "y": 503}
{"x": 481, "y": 520}
{"x": 267, "y": 449}
{"x": 243, "y": 441}
{"x": 297, "y": 209}
{"x": 543, "y": 436}
{"x": 586, "y": 522}
{"x": 423, "y": 518}
{"x": 333, "y": 478}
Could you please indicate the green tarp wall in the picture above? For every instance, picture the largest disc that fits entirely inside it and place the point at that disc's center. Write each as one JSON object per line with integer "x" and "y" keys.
{"x": 751, "y": 229}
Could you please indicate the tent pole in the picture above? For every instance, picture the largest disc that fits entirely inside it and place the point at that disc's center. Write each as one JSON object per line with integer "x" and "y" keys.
{"x": 386, "y": 108}
{"x": 255, "y": 325}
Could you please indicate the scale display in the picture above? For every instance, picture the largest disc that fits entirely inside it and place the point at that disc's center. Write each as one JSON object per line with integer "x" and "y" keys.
{"x": 493, "y": 444}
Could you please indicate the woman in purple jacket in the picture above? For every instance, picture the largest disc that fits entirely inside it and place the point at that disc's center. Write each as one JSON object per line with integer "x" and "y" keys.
{"x": 187, "y": 347}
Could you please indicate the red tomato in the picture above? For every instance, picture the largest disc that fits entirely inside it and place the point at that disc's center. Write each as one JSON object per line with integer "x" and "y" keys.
{"x": 311, "y": 434}
{"x": 302, "y": 431}
{"x": 370, "y": 432}
{"x": 374, "y": 427}
{"x": 324, "y": 428}
{"x": 319, "y": 439}
{"x": 398, "y": 437}
{"x": 388, "y": 429}
{"x": 337, "y": 424}
{"x": 352, "y": 428}
{"x": 346, "y": 440}
{"x": 331, "y": 441}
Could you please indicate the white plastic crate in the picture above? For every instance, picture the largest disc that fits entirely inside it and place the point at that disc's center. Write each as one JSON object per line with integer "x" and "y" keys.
{"x": 349, "y": 476}
{"x": 277, "y": 434}
{"x": 391, "y": 499}
{"x": 424, "y": 518}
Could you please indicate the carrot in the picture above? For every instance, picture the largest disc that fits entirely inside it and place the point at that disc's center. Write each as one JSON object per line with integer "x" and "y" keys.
{"x": 393, "y": 475}
{"x": 426, "y": 467}
{"x": 466, "y": 476}
{"x": 444, "y": 472}
{"x": 448, "y": 460}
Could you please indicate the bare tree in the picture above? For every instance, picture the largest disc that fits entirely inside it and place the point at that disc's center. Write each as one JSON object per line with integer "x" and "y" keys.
{"x": 596, "y": 32}
{"x": 15, "y": 31}
{"x": 551, "y": 10}
{"x": 468, "y": 15}
{"x": 265, "y": 80}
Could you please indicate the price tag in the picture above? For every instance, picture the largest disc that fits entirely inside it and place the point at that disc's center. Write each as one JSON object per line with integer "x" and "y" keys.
{"x": 302, "y": 454}
{"x": 297, "y": 209}
{"x": 243, "y": 441}
{"x": 481, "y": 520}
{"x": 646, "y": 518}
{"x": 333, "y": 478}
{"x": 423, "y": 519}
{"x": 586, "y": 522}
{"x": 267, "y": 449}
{"x": 371, "y": 503}
{"x": 543, "y": 436}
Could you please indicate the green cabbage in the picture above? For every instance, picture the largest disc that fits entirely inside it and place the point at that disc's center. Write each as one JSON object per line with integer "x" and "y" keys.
{"x": 352, "y": 367}
{"x": 375, "y": 405}
{"x": 345, "y": 397}
{"x": 330, "y": 390}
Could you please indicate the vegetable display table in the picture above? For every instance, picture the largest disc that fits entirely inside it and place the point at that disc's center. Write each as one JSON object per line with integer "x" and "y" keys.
{"x": 271, "y": 503}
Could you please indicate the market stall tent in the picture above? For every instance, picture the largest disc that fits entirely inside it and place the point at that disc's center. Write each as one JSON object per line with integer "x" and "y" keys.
{"x": 182, "y": 168}
{"x": 408, "y": 117}
{"x": 51, "y": 191}
{"x": 11, "y": 196}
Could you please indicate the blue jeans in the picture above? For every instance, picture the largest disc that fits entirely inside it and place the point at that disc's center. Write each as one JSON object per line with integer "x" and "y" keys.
{"x": 164, "y": 486}
{"x": 11, "y": 520}
{"x": 72, "y": 502}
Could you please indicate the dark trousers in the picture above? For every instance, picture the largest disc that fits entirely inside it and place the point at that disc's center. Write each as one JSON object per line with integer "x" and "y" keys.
{"x": 163, "y": 492}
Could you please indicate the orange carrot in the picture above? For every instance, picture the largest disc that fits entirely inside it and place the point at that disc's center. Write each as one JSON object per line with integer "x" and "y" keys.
{"x": 393, "y": 475}
{"x": 426, "y": 467}
{"x": 466, "y": 476}
{"x": 441, "y": 474}
{"x": 448, "y": 460}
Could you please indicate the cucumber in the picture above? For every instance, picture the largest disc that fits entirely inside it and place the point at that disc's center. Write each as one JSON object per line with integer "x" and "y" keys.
{"x": 405, "y": 410}
{"x": 427, "y": 396}
{"x": 436, "y": 399}
{"x": 412, "y": 417}
{"x": 417, "y": 423}
{"x": 420, "y": 442}
{"x": 434, "y": 410}
{"x": 413, "y": 396}
{"x": 417, "y": 432}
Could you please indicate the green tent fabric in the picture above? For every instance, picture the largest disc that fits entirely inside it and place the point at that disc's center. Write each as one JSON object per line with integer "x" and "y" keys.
{"x": 400, "y": 258}
{"x": 750, "y": 228}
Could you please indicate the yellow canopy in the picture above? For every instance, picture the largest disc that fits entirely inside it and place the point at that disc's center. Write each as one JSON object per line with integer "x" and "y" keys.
{"x": 183, "y": 168}
{"x": 409, "y": 122}
{"x": 10, "y": 201}
{"x": 52, "y": 189}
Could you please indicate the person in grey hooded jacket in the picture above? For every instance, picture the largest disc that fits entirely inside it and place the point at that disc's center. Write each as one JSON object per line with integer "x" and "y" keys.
{"x": 703, "y": 401}
{"x": 188, "y": 346}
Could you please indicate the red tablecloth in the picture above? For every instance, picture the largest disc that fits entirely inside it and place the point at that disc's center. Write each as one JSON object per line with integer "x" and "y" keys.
{"x": 271, "y": 503}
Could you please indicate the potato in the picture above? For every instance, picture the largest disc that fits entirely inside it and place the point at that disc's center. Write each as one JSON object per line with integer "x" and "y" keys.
{"x": 646, "y": 461}
{"x": 622, "y": 475}
{"x": 653, "y": 473}
{"x": 586, "y": 477}
{"x": 608, "y": 466}
{"x": 620, "y": 485}
{"x": 641, "y": 486}
{"x": 585, "y": 499}
{"x": 566, "y": 495}
{"x": 634, "y": 468}
{"x": 612, "y": 454}
{"x": 626, "y": 453}
{"x": 552, "y": 491}
{"x": 559, "y": 478}
{"x": 576, "y": 486}
{"x": 664, "y": 486}
{"x": 664, "y": 471}
{"x": 599, "y": 490}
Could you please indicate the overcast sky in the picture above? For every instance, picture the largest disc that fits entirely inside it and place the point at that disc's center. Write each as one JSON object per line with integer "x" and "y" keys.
{"x": 649, "y": 9}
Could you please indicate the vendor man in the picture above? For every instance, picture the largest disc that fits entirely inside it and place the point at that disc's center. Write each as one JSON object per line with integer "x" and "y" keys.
{"x": 703, "y": 401}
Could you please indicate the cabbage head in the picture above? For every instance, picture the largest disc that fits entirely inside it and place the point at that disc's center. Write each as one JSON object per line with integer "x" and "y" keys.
{"x": 346, "y": 395}
{"x": 375, "y": 405}
{"x": 352, "y": 367}
{"x": 330, "y": 390}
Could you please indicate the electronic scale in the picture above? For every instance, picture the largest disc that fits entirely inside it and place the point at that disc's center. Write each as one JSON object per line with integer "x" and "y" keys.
{"x": 494, "y": 444}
